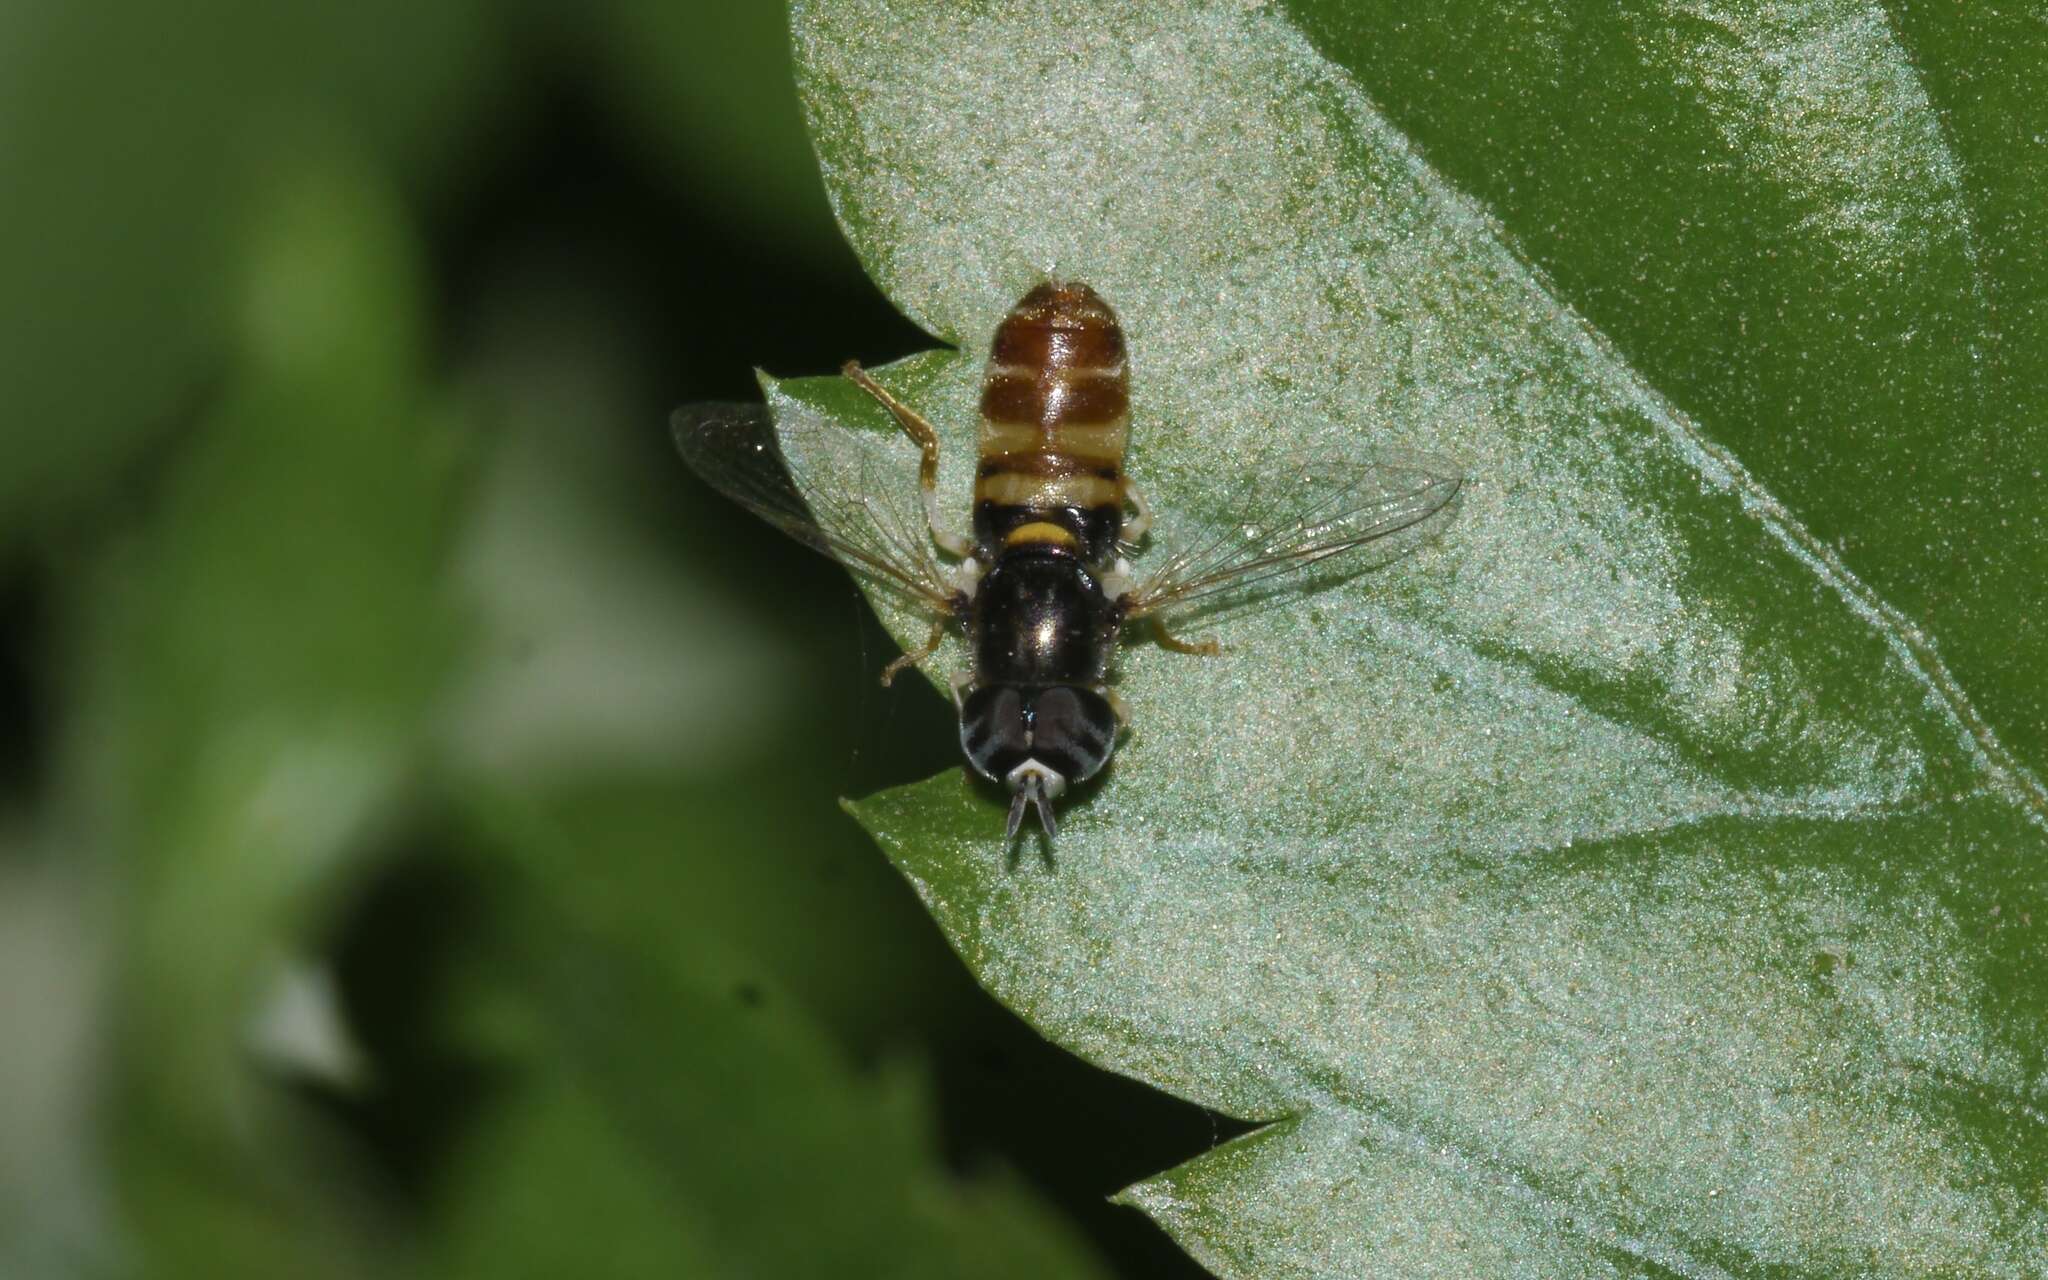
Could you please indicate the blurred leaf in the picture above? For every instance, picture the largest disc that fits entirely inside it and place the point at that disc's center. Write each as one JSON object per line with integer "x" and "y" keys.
{"x": 117, "y": 188}
{"x": 731, "y": 863}
{"x": 255, "y": 665}
{"x": 53, "y": 1211}
{"x": 672, "y": 1111}
{"x": 596, "y": 654}
{"x": 649, "y": 700}
{"x": 1621, "y": 886}
{"x": 708, "y": 89}
{"x": 550, "y": 1184}
{"x": 132, "y": 139}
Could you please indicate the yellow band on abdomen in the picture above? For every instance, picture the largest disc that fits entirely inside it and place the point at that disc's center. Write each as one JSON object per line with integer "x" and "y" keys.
{"x": 1097, "y": 442}
{"x": 1047, "y": 493}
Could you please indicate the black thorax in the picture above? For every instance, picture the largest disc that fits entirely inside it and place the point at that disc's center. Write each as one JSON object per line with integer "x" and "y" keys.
{"x": 1039, "y": 617}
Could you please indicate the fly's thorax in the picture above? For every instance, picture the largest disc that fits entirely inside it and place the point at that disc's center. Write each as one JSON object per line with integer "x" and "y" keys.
{"x": 1055, "y": 417}
{"x": 1040, "y": 617}
{"x": 1063, "y": 732}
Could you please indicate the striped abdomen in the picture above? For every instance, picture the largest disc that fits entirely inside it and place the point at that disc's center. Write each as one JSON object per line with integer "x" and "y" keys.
{"x": 1054, "y": 418}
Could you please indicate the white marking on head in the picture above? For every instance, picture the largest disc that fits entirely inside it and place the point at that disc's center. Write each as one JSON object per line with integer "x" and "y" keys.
{"x": 1050, "y": 781}
{"x": 1033, "y": 784}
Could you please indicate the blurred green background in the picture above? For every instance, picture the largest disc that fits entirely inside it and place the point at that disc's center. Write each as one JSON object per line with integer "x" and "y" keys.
{"x": 419, "y": 849}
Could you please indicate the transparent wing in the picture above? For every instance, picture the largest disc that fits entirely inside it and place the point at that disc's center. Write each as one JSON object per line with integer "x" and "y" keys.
{"x": 1296, "y": 518}
{"x": 872, "y": 524}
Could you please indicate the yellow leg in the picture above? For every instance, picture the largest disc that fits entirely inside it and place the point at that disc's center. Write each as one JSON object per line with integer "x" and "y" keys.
{"x": 1199, "y": 648}
{"x": 1116, "y": 705}
{"x": 931, "y": 646}
{"x": 926, "y": 437}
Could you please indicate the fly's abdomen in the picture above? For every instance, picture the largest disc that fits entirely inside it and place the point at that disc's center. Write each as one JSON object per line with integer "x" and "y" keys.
{"x": 1055, "y": 415}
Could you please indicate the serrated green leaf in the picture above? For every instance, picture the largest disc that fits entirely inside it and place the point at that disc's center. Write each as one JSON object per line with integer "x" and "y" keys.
{"x": 1618, "y": 886}
{"x": 1819, "y": 227}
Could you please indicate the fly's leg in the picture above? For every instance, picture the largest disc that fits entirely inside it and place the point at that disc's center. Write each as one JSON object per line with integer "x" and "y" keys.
{"x": 959, "y": 682}
{"x": 1117, "y": 583}
{"x": 926, "y": 437}
{"x": 930, "y": 647}
{"x": 1117, "y": 705}
{"x": 1199, "y": 648}
{"x": 966, "y": 577}
{"x": 1140, "y": 522}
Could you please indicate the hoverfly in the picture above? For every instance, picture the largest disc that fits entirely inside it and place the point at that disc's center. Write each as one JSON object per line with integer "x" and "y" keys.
{"x": 1041, "y": 582}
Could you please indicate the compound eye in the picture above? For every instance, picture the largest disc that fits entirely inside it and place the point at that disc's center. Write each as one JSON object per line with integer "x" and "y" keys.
{"x": 992, "y": 731}
{"x": 1073, "y": 730}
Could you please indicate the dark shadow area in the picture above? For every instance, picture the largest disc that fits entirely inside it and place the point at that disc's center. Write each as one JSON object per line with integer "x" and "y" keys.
{"x": 24, "y": 714}
{"x": 393, "y": 959}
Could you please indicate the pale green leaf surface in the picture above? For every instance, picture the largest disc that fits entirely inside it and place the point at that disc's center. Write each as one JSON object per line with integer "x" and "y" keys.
{"x": 1617, "y": 885}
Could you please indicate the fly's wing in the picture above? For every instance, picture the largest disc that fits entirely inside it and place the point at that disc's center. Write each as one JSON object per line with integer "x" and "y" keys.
{"x": 868, "y": 522}
{"x": 1295, "y": 518}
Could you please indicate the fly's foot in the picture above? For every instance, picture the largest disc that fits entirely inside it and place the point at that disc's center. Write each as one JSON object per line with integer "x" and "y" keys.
{"x": 930, "y": 647}
{"x": 1198, "y": 648}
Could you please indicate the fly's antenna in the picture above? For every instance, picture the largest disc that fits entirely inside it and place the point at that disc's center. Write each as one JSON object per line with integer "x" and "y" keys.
{"x": 1032, "y": 790}
{"x": 1043, "y": 803}
{"x": 1016, "y": 816}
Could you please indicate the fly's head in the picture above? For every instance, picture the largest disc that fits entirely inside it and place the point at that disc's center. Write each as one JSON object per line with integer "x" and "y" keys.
{"x": 1037, "y": 741}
